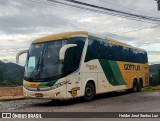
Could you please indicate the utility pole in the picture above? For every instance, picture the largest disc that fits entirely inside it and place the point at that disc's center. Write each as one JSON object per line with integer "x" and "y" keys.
{"x": 158, "y": 2}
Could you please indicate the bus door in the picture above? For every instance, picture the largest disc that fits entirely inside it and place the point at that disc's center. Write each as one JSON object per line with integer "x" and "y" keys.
{"x": 74, "y": 85}
{"x": 70, "y": 66}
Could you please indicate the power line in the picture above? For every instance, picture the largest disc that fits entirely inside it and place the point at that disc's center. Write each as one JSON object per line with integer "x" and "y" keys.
{"x": 82, "y": 8}
{"x": 104, "y": 1}
{"x": 114, "y": 11}
{"x": 93, "y": 10}
{"x": 102, "y": 12}
{"x": 135, "y": 30}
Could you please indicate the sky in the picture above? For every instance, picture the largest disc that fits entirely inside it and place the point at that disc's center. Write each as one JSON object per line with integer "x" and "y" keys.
{"x": 22, "y": 21}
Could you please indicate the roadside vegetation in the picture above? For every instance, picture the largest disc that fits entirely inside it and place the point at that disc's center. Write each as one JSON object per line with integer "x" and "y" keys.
{"x": 154, "y": 79}
{"x": 151, "y": 88}
{"x": 10, "y": 74}
{"x": 154, "y": 72}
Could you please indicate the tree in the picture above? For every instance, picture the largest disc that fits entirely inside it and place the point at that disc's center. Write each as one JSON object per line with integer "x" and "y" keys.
{"x": 153, "y": 80}
{"x": 159, "y": 74}
{"x": 3, "y": 70}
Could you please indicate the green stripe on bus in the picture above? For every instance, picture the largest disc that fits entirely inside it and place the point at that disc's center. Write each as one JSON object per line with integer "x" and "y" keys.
{"x": 112, "y": 72}
{"x": 49, "y": 83}
{"x": 117, "y": 72}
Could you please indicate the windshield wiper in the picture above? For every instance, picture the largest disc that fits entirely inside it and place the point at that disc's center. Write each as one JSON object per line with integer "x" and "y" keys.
{"x": 33, "y": 74}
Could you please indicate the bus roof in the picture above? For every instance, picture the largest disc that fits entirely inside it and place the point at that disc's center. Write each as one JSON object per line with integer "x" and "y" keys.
{"x": 60, "y": 36}
{"x": 121, "y": 44}
{"x": 70, "y": 34}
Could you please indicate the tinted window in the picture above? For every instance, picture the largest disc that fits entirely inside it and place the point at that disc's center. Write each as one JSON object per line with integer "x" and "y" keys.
{"x": 73, "y": 55}
{"x": 99, "y": 49}
{"x": 92, "y": 50}
{"x": 105, "y": 51}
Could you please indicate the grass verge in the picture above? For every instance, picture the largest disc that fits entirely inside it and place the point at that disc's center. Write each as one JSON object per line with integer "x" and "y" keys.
{"x": 151, "y": 88}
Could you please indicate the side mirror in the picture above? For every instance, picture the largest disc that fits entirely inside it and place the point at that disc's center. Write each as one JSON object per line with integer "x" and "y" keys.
{"x": 20, "y": 53}
{"x": 63, "y": 50}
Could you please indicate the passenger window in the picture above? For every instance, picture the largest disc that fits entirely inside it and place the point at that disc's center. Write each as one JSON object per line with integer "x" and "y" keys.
{"x": 92, "y": 50}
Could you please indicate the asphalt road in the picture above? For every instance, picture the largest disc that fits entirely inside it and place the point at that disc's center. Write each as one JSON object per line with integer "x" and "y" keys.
{"x": 110, "y": 102}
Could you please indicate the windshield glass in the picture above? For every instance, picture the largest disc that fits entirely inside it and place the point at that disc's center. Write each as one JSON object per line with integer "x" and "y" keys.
{"x": 51, "y": 65}
{"x": 43, "y": 59}
{"x": 34, "y": 54}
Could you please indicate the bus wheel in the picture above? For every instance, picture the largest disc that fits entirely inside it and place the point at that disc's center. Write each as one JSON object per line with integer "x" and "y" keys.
{"x": 135, "y": 86}
{"x": 140, "y": 85}
{"x": 89, "y": 92}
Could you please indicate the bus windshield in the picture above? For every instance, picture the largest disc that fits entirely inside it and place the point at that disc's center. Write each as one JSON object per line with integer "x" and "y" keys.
{"x": 43, "y": 59}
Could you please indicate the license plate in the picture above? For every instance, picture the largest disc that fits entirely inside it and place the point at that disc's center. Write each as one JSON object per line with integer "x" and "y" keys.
{"x": 39, "y": 95}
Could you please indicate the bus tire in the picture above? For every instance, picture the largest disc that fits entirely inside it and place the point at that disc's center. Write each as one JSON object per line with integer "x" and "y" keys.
{"x": 89, "y": 92}
{"x": 135, "y": 86}
{"x": 140, "y": 85}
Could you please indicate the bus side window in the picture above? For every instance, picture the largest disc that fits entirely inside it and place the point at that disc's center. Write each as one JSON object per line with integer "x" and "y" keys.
{"x": 145, "y": 58}
{"x": 64, "y": 42}
{"x": 68, "y": 61}
{"x": 102, "y": 51}
{"x": 126, "y": 53}
{"x": 118, "y": 53}
{"x": 92, "y": 50}
{"x": 105, "y": 51}
{"x": 73, "y": 55}
{"x": 115, "y": 52}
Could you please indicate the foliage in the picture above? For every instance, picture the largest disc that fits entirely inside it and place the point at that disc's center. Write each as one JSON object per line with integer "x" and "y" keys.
{"x": 10, "y": 74}
{"x": 159, "y": 74}
{"x": 152, "y": 88}
{"x": 154, "y": 75}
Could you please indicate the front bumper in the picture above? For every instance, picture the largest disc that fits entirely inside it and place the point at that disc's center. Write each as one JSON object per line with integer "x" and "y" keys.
{"x": 57, "y": 94}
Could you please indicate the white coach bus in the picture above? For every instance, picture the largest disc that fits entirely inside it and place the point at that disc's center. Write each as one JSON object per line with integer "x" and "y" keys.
{"x": 80, "y": 64}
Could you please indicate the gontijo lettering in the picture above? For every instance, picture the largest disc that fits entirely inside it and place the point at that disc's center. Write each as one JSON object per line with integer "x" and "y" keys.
{"x": 131, "y": 67}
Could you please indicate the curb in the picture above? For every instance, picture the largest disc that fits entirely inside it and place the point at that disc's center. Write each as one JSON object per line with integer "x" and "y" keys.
{"x": 8, "y": 98}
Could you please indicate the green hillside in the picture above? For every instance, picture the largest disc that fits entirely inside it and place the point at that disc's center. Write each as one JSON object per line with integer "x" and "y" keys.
{"x": 11, "y": 74}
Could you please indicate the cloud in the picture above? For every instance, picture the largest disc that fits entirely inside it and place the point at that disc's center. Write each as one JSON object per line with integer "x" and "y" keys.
{"x": 22, "y": 21}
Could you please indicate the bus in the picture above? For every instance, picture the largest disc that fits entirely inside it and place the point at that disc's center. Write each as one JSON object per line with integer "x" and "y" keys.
{"x": 80, "y": 64}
